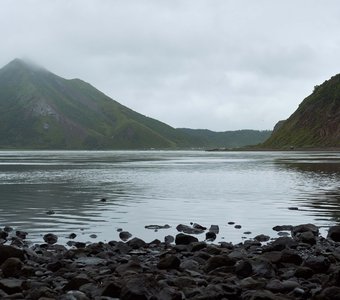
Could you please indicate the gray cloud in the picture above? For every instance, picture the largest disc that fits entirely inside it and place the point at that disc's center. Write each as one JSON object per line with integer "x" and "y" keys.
{"x": 221, "y": 65}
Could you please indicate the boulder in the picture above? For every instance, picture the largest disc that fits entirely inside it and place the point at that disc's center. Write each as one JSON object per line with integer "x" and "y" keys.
{"x": 168, "y": 262}
{"x": 50, "y": 238}
{"x": 305, "y": 227}
{"x": 11, "y": 267}
{"x": 184, "y": 239}
{"x": 10, "y": 251}
{"x": 334, "y": 233}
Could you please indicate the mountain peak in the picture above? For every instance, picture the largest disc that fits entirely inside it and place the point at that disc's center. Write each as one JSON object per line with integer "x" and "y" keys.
{"x": 27, "y": 64}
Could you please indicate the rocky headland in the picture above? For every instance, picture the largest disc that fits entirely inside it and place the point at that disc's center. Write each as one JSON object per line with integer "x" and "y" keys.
{"x": 301, "y": 265}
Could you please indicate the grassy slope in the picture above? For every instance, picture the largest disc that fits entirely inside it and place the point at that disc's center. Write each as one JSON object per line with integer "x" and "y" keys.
{"x": 316, "y": 123}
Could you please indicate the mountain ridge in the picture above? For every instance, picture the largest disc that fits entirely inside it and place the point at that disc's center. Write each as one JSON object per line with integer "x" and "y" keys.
{"x": 41, "y": 110}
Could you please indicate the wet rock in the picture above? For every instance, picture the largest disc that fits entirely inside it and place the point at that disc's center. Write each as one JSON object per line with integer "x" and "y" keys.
{"x": 231, "y": 223}
{"x": 334, "y": 233}
{"x": 188, "y": 229}
{"x": 238, "y": 226}
{"x": 169, "y": 239}
{"x": 198, "y": 226}
{"x": 124, "y": 235}
{"x": 50, "y": 238}
{"x": 9, "y": 251}
{"x": 214, "y": 228}
{"x": 262, "y": 238}
{"x": 169, "y": 262}
{"x": 283, "y": 228}
{"x": 318, "y": 264}
{"x": 21, "y": 234}
{"x": 305, "y": 227}
{"x": 140, "y": 287}
{"x": 290, "y": 256}
{"x": 50, "y": 212}
{"x": 303, "y": 272}
{"x": 329, "y": 293}
{"x": 112, "y": 289}
{"x": 280, "y": 244}
{"x": 184, "y": 239}
{"x": 8, "y": 229}
{"x": 218, "y": 261}
{"x": 76, "y": 282}
{"x": 293, "y": 208}
{"x": 156, "y": 227}
{"x": 11, "y": 286}
{"x": 93, "y": 236}
{"x": 306, "y": 237}
{"x": 136, "y": 243}
{"x": 210, "y": 236}
{"x": 243, "y": 269}
{"x": 3, "y": 235}
{"x": 11, "y": 267}
{"x": 72, "y": 236}
{"x": 263, "y": 268}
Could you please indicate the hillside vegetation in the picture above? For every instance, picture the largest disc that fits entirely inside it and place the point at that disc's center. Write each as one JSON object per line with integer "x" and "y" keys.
{"x": 40, "y": 110}
{"x": 316, "y": 122}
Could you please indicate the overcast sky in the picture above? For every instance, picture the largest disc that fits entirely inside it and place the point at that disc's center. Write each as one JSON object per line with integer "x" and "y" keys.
{"x": 221, "y": 65}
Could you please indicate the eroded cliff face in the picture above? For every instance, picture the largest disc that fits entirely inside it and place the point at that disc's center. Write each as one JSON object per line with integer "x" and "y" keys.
{"x": 316, "y": 122}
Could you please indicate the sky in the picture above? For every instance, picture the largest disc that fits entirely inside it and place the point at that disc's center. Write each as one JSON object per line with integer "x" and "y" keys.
{"x": 214, "y": 64}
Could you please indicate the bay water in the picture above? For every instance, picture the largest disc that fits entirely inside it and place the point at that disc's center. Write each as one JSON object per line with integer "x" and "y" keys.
{"x": 62, "y": 191}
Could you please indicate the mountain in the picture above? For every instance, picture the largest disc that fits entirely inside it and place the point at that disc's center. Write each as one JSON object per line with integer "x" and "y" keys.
{"x": 227, "y": 139}
{"x": 316, "y": 122}
{"x": 40, "y": 110}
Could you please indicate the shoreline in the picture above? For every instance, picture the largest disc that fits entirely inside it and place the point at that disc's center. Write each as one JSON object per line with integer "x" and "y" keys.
{"x": 303, "y": 265}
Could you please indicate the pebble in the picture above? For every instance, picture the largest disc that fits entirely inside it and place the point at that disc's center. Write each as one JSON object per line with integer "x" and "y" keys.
{"x": 283, "y": 268}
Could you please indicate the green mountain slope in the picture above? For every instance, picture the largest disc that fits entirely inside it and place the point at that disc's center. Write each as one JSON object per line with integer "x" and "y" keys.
{"x": 39, "y": 109}
{"x": 227, "y": 139}
{"x": 316, "y": 122}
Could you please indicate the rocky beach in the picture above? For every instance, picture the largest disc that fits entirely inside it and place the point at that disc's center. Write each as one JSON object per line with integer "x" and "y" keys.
{"x": 300, "y": 264}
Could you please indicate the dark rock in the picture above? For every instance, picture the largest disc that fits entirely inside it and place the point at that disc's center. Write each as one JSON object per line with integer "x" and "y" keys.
{"x": 169, "y": 239}
{"x": 9, "y": 251}
{"x": 303, "y": 272}
{"x": 247, "y": 232}
{"x": 8, "y": 229}
{"x": 263, "y": 268}
{"x": 103, "y": 200}
{"x": 72, "y": 236}
{"x": 76, "y": 282}
{"x": 93, "y": 236}
{"x": 210, "y": 236}
{"x": 11, "y": 286}
{"x": 218, "y": 261}
{"x": 238, "y": 226}
{"x": 139, "y": 287}
{"x": 50, "y": 212}
{"x": 11, "y": 267}
{"x": 231, "y": 223}
{"x": 131, "y": 267}
{"x": 243, "y": 269}
{"x": 80, "y": 245}
{"x": 214, "y": 228}
{"x": 305, "y": 227}
{"x": 198, "y": 226}
{"x": 290, "y": 256}
{"x": 283, "y": 228}
{"x": 334, "y": 233}
{"x": 251, "y": 283}
{"x": 318, "y": 264}
{"x": 112, "y": 289}
{"x": 329, "y": 293}
{"x": 306, "y": 237}
{"x": 261, "y": 295}
{"x": 170, "y": 293}
{"x": 156, "y": 227}
{"x": 136, "y": 243}
{"x": 293, "y": 208}
{"x": 184, "y": 239}
{"x": 280, "y": 244}
{"x": 197, "y": 246}
{"x": 169, "y": 262}
{"x": 21, "y": 234}
{"x": 50, "y": 238}
{"x": 3, "y": 235}
{"x": 55, "y": 266}
{"x": 124, "y": 235}
{"x": 189, "y": 230}
{"x": 262, "y": 238}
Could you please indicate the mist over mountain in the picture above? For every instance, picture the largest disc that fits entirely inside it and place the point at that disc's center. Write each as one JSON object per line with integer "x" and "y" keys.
{"x": 40, "y": 110}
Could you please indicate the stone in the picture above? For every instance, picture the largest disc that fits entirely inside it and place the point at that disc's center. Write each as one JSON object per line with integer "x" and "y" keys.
{"x": 319, "y": 264}
{"x": 156, "y": 227}
{"x": 188, "y": 229}
{"x": 210, "y": 236}
{"x": 11, "y": 286}
{"x": 3, "y": 235}
{"x": 10, "y": 251}
{"x": 141, "y": 287}
{"x": 21, "y": 234}
{"x": 184, "y": 239}
{"x": 136, "y": 243}
{"x": 169, "y": 239}
{"x": 169, "y": 262}
{"x": 283, "y": 227}
{"x": 243, "y": 269}
{"x": 290, "y": 256}
{"x": 124, "y": 235}
{"x": 305, "y": 227}
{"x": 198, "y": 226}
{"x": 329, "y": 293}
{"x": 238, "y": 226}
{"x": 218, "y": 261}
{"x": 112, "y": 289}
{"x": 72, "y": 236}
{"x": 11, "y": 267}
{"x": 76, "y": 282}
{"x": 262, "y": 238}
{"x": 334, "y": 233}
{"x": 214, "y": 228}
{"x": 231, "y": 223}
{"x": 306, "y": 237}
{"x": 50, "y": 238}
{"x": 303, "y": 272}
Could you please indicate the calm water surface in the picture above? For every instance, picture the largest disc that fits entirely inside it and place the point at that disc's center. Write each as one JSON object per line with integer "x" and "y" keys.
{"x": 253, "y": 189}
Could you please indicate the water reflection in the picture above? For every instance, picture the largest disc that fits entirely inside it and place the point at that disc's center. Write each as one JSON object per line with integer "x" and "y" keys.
{"x": 320, "y": 191}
